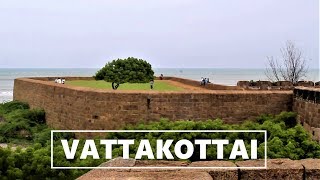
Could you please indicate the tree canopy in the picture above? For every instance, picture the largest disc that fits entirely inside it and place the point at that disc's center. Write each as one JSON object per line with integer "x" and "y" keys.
{"x": 131, "y": 70}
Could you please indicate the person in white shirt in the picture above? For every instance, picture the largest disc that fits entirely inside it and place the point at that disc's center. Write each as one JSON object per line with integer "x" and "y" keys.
{"x": 59, "y": 81}
{"x": 63, "y": 81}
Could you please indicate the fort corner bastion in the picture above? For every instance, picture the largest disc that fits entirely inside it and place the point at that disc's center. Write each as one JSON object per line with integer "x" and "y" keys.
{"x": 70, "y": 107}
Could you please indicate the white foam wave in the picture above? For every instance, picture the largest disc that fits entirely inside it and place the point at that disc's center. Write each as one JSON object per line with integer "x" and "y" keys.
{"x": 6, "y": 93}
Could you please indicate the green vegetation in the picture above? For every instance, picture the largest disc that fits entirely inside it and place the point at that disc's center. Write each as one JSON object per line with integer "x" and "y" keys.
{"x": 26, "y": 130}
{"x": 19, "y": 124}
{"x": 286, "y": 139}
{"x": 158, "y": 85}
{"x": 130, "y": 70}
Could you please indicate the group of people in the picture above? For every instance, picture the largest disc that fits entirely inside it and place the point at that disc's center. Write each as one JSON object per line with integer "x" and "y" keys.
{"x": 204, "y": 81}
{"x": 60, "y": 80}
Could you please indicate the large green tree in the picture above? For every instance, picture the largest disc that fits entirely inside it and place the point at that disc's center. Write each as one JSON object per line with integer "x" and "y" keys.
{"x": 131, "y": 70}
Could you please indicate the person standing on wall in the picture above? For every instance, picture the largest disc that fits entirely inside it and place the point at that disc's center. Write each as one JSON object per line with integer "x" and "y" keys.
{"x": 151, "y": 84}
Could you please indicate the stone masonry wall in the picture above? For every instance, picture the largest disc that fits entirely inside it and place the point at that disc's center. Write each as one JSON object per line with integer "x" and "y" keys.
{"x": 305, "y": 169}
{"x": 307, "y": 106}
{"x": 69, "y": 107}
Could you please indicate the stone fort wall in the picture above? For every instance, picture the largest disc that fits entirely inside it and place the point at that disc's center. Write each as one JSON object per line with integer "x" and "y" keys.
{"x": 305, "y": 169}
{"x": 307, "y": 105}
{"x": 69, "y": 107}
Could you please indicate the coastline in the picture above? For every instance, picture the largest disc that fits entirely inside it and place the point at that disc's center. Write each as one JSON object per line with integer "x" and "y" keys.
{"x": 225, "y": 76}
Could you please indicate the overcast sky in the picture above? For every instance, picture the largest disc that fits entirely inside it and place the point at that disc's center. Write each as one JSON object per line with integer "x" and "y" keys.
{"x": 167, "y": 33}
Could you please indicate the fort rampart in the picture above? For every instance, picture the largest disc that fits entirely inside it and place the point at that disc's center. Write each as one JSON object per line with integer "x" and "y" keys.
{"x": 307, "y": 105}
{"x": 305, "y": 169}
{"x": 69, "y": 107}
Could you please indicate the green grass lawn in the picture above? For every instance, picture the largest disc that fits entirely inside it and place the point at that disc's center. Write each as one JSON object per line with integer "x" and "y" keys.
{"x": 158, "y": 85}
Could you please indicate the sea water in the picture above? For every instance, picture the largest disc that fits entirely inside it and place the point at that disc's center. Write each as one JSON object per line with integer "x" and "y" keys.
{"x": 227, "y": 76}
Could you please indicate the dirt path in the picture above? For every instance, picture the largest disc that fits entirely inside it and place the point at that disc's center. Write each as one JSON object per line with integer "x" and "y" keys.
{"x": 185, "y": 86}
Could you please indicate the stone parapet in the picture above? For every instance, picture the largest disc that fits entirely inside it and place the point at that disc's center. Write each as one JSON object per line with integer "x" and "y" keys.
{"x": 69, "y": 107}
{"x": 276, "y": 169}
{"x": 306, "y": 104}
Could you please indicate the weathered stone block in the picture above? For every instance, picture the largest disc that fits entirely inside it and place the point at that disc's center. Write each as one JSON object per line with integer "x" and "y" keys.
{"x": 228, "y": 174}
{"x": 161, "y": 163}
{"x": 144, "y": 175}
{"x": 119, "y": 162}
{"x": 276, "y": 169}
{"x": 305, "y": 83}
{"x": 243, "y": 84}
{"x": 312, "y": 168}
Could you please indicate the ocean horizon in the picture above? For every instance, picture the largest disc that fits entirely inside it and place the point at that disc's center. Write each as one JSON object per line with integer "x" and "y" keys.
{"x": 225, "y": 76}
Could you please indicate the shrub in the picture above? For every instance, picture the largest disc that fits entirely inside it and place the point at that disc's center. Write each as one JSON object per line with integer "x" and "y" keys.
{"x": 286, "y": 139}
{"x": 130, "y": 70}
{"x": 42, "y": 137}
{"x": 289, "y": 118}
{"x": 20, "y": 123}
{"x": 34, "y": 116}
{"x": 11, "y": 106}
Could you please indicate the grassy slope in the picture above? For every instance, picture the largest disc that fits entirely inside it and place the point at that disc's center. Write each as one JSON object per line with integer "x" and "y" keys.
{"x": 158, "y": 85}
